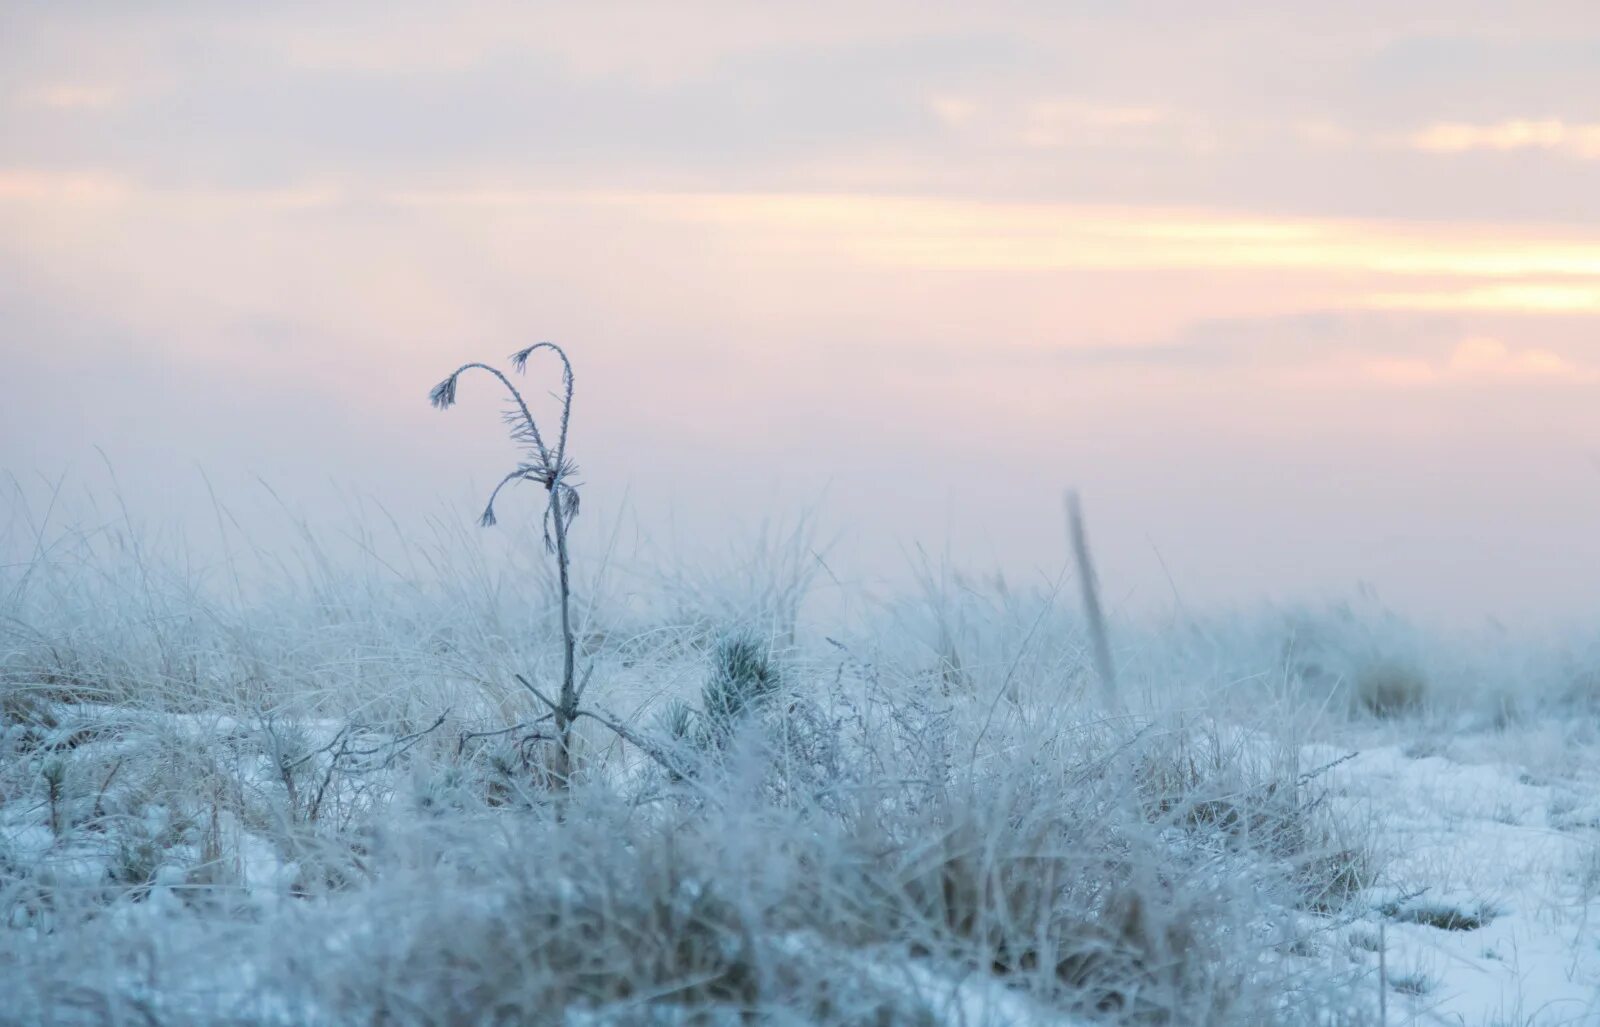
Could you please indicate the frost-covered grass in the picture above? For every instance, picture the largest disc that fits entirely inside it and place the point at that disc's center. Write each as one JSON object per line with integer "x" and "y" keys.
{"x": 290, "y": 787}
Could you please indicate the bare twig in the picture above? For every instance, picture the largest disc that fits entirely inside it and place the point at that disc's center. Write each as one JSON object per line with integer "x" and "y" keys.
{"x": 639, "y": 742}
{"x": 327, "y": 774}
{"x": 467, "y": 736}
{"x": 342, "y": 750}
{"x": 555, "y": 707}
{"x": 398, "y": 746}
{"x": 583, "y": 685}
{"x": 99, "y": 799}
{"x": 285, "y": 768}
{"x": 308, "y": 757}
{"x": 1312, "y": 775}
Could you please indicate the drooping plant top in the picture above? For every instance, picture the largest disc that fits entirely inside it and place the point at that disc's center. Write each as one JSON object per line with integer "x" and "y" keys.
{"x": 540, "y": 464}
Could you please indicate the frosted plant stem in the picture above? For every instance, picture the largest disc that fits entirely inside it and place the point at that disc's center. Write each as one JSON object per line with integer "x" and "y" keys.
{"x": 568, "y": 710}
{"x": 1092, "y": 612}
{"x": 1383, "y": 978}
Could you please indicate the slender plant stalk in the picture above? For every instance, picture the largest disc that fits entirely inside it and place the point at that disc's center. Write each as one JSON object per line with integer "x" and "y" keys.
{"x": 1090, "y": 586}
{"x": 551, "y": 470}
{"x": 568, "y": 711}
{"x": 1383, "y": 977}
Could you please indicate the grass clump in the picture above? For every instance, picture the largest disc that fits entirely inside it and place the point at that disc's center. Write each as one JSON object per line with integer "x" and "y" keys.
{"x": 1417, "y": 983}
{"x": 740, "y": 685}
{"x": 1390, "y": 689}
{"x": 1440, "y": 916}
{"x": 742, "y": 679}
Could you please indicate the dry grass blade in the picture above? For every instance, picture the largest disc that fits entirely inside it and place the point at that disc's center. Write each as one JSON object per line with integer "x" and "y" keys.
{"x": 1089, "y": 584}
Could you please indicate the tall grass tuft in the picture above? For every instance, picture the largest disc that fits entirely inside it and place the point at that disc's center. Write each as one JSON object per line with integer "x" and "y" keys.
{"x": 742, "y": 678}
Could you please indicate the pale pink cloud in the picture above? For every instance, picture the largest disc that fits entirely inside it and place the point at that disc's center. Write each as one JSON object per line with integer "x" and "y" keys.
{"x": 1481, "y": 359}
{"x": 954, "y": 111}
{"x": 1401, "y": 371}
{"x": 60, "y": 188}
{"x": 69, "y": 96}
{"x": 1578, "y": 139}
{"x": 1047, "y": 124}
{"x": 1489, "y": 356}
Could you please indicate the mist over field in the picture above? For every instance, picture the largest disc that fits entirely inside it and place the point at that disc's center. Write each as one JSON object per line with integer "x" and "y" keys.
{"x": 775, "y": 682}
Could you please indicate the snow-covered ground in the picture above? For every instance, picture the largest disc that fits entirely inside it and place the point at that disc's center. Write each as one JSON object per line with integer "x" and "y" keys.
{"x": 1491, "y": 865}
{"x": 326, "y": 800}
{"x": 1484, "y": 897}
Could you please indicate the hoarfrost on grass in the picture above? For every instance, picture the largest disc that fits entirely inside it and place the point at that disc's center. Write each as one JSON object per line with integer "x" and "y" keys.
{"x": 224, "y": 802}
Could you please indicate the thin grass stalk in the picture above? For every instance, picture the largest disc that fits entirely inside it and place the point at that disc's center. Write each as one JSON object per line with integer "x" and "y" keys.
{"x": 1089, "y": 585}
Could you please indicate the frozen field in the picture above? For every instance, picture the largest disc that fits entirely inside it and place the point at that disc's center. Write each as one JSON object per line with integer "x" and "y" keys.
{"x": 291, "y": 787}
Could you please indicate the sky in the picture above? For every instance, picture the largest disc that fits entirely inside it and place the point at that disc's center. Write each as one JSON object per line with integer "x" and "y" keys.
{"x": 1302, "y": 297}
